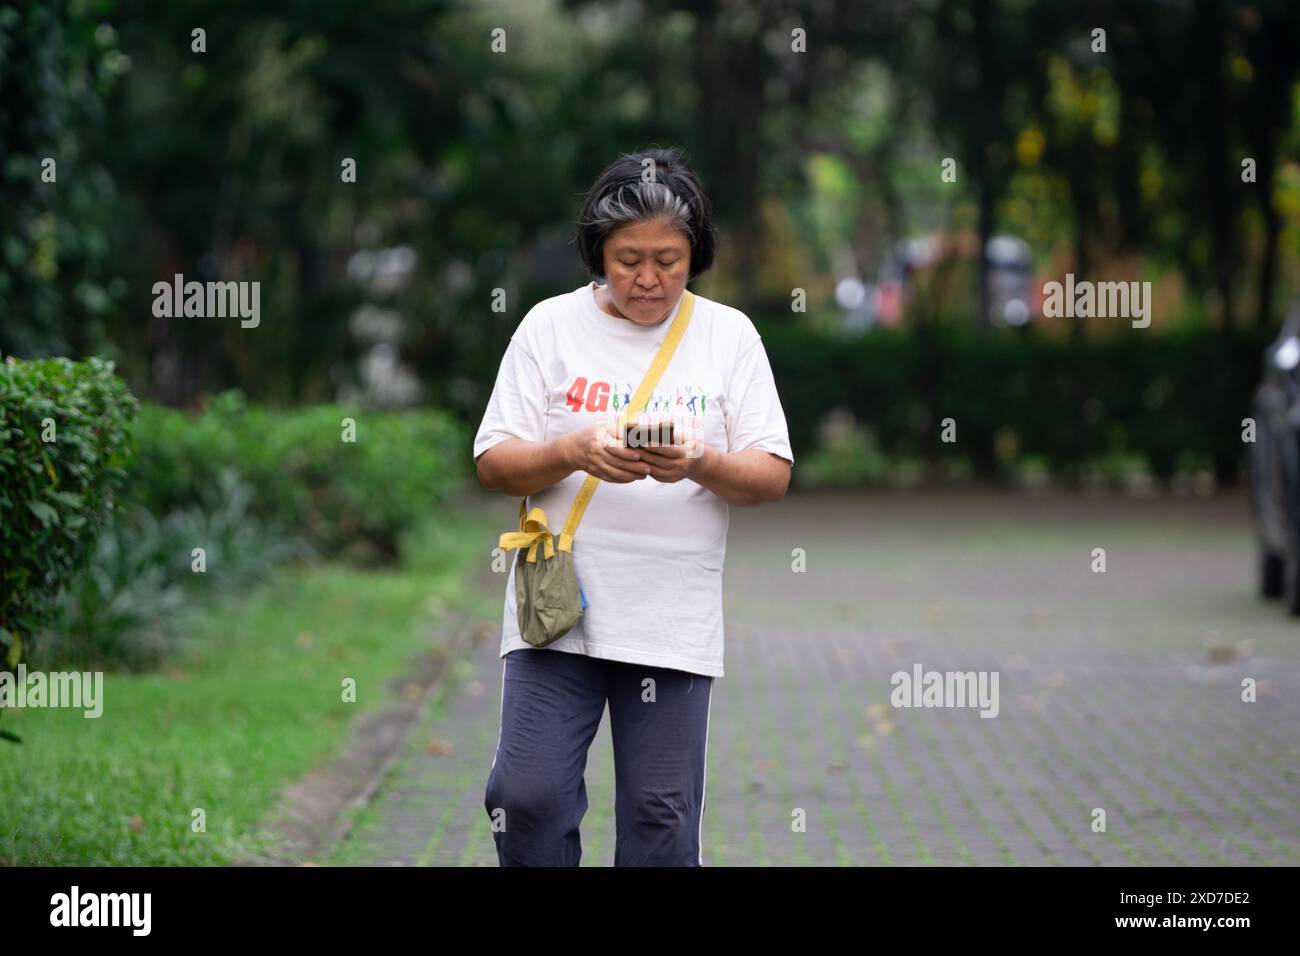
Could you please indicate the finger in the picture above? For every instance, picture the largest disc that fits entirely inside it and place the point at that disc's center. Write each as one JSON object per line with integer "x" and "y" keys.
{"x": 625, "y": 474}
{"x": 663, "y": 455}
{"x": 626, "y": 454}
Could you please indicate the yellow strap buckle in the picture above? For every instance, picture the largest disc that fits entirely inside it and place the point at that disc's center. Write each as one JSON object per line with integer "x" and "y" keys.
{"x": 533, "y": 531}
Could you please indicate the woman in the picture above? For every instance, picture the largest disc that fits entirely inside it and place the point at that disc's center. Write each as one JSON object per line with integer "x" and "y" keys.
{"x": 650, "y": 548}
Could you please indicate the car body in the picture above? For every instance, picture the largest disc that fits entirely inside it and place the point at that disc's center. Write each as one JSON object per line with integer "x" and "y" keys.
{"x": 1275, "y": 466}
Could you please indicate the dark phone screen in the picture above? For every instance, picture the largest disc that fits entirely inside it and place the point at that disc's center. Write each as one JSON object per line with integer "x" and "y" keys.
{"x": 648, "y": 435}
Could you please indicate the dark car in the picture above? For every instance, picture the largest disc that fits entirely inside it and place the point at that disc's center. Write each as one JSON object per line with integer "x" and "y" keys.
{"x": 1275, "y": 466}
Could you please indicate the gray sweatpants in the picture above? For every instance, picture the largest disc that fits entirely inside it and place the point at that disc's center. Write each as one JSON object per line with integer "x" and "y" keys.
{"x": 551, "y": 707}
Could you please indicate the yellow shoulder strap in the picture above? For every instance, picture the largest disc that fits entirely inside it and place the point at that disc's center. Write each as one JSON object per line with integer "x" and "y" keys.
{"x": 662, "y": 357}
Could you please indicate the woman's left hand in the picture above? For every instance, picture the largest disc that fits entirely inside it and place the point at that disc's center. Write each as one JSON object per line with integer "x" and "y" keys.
{"x": 671, "y": 463}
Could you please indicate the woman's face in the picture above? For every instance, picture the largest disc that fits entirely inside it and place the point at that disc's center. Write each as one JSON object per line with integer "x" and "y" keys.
{"x": 646, "y": 268}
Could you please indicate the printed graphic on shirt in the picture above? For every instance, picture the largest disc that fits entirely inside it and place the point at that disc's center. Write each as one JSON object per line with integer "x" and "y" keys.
{"x": 684, "y": 406}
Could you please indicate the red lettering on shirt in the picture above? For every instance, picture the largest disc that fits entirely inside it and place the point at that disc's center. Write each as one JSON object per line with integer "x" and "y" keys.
{"x": 575, "y": 394}
{"x": 598, "y": 397}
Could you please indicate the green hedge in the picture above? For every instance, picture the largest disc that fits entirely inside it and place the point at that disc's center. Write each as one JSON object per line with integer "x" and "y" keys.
{"x": 64, "y": 450}
{"x": 306, "y": 478}
{"x": 1178, "y": 400}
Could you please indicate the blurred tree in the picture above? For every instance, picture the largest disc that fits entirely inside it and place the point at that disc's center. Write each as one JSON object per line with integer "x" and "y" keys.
{"x": 225, "y": 164}
{"x": 234, "y": 156}
{"x": 57, "y": 202}
{"x": 1268, "y": 66}
{"x": 1207, "y": 87}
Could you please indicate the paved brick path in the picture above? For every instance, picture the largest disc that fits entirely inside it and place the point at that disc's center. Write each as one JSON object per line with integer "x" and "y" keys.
{"x": 1119, "y": 690}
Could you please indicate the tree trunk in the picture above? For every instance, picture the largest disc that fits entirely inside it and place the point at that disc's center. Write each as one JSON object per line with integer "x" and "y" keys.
{"x": 1272, "y": 228}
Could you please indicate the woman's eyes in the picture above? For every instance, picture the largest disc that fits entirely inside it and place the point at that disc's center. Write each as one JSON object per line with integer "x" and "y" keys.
{"x": 661, "y": 262}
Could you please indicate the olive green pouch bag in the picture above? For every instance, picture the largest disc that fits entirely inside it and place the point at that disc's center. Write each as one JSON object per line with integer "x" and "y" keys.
{"x": 548, "y": 597}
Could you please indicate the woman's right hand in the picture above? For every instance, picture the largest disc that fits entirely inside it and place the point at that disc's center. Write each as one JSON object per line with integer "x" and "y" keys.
{"x": 597, "y": 451}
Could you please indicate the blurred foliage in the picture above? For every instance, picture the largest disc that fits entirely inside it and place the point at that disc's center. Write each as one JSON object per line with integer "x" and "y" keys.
{"x": 308, "y": 476}
{"x": 225, "y": 164}
{"x": 252, "y": 486}
{"x": 59, "y": 278}
{"x": 1177, "y": 400}
{"x": 847, "y": 455}
{"x": 132, "y": 605}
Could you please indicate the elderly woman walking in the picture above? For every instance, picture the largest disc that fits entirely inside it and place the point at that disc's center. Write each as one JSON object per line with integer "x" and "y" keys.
{"x": 649, "y": 552}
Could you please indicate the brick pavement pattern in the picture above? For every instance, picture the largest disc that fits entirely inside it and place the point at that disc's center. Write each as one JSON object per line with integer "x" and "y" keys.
{"x": 1119, "y": 691}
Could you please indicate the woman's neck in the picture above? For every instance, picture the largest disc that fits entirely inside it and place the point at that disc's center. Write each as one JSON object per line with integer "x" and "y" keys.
{"x": 607, "y": 304}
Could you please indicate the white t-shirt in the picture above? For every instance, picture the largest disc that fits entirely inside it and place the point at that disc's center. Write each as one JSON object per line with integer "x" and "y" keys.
{"x": 648, "y": 554}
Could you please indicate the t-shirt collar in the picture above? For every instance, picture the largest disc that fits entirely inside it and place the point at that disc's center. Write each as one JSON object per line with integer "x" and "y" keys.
{"x": 587, "y": 294}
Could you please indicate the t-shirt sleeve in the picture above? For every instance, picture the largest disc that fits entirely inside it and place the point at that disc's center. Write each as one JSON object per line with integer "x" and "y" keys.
{"x": 517, "y": 407}
{"x": 754, "y": 415}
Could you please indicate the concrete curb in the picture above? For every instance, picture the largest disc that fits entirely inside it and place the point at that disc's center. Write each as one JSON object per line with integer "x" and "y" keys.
{"x": 314, "y": 812}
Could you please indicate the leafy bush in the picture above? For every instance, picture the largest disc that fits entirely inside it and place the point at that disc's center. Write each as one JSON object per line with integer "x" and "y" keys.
{"x": 131, "y": 605}
{"x": 305, "y": 477}
{"x": 64, "y": 449}
{"x": 120, "y": 607}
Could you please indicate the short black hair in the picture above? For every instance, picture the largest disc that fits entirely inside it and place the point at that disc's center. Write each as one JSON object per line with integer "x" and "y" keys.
{"x": 625, "y": 193}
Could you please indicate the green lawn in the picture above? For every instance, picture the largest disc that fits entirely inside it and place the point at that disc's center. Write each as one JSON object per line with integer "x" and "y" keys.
{"x": 226, "y": 726}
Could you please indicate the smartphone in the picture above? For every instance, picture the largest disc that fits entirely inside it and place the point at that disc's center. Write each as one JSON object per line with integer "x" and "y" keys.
{"x": 648, "y": 435}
